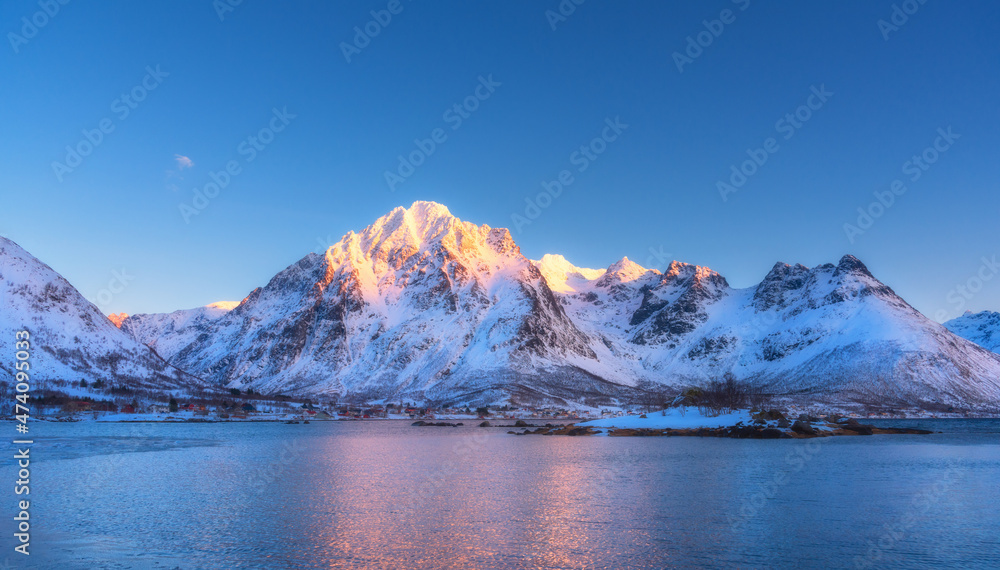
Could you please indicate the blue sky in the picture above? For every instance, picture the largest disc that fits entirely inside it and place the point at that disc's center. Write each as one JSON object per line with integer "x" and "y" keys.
{"x": 216, "y": 82}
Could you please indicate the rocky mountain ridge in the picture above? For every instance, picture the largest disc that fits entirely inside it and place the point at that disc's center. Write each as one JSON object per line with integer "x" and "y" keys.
{"x": 423, "y": 305}
{"x": 70, "y": 339}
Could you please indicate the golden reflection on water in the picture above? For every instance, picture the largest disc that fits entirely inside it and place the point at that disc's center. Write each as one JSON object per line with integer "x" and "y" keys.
{"x": 387, "y": 495}
{"x": 403, "y": 503}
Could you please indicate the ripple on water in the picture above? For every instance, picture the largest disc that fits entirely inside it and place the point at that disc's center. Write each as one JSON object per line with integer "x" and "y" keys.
{"x": 385, "y": 495}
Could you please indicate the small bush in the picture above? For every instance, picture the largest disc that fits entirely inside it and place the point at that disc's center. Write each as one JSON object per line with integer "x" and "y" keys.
{"x": 724, "y": 396}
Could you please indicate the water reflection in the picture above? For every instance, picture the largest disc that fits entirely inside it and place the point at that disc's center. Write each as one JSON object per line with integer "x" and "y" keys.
{"x": 385, "y": 495}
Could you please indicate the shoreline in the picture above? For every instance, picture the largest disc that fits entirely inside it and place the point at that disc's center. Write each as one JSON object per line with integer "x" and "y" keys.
{"x": 732, "y": 432}
{"x": 50, "y": 420}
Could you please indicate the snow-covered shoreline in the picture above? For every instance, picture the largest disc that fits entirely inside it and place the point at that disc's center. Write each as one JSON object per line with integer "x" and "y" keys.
{"x": 673, "y": 418}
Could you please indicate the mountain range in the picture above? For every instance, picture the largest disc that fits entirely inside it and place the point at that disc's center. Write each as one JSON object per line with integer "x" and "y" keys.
{"x": 981, "y": 328}
{"x": 426, "y": 307}
{"x": 69, "y": 338}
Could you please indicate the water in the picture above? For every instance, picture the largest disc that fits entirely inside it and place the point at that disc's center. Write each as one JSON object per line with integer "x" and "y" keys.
{"x": 387, "y": 495}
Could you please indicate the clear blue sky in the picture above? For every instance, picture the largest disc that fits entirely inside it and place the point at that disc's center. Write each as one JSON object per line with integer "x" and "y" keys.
{"x": 653, "y": 188}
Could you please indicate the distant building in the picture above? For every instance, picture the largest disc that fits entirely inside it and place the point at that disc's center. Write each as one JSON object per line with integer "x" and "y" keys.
{"x": 77, "y": 406}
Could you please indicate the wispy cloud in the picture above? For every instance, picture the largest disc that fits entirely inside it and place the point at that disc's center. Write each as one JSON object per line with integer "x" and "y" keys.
{"x": 183, "y": 162}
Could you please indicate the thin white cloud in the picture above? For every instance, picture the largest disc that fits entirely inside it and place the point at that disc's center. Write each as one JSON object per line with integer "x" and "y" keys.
{"x": 183, "y": 162}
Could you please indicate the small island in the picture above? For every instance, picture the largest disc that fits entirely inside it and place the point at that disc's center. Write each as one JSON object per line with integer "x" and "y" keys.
{"x": 737, "y": 424}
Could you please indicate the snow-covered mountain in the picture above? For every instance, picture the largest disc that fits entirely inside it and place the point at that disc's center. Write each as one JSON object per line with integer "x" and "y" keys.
{"x": 419, "y": 303}
{"x": 70, "y": 339}
{"x": 832, "y": 332}
{"x": 981, "y": 328}
{"x": 168, "y": 333}
{"x": 423, "y": 305}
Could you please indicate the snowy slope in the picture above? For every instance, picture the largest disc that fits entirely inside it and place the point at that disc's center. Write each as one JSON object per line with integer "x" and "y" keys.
{"x": 70, "y": 339}
{"x": 170, "y": 332}
{"x": 423, "y": 305}
{"x": 830, "y": 330}
{"x": 981, "y": 328}
{"x": 419, "y": 303}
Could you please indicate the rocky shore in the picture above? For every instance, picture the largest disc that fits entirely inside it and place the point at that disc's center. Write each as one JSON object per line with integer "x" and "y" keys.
{"x": 485, "y": 424}
{"x": 764, "y": 425}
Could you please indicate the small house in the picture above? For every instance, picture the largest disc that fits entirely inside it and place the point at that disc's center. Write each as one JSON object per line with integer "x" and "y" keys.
{"x": 77, "y": 406}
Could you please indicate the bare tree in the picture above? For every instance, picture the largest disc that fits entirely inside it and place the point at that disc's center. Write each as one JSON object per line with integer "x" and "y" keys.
{"x": 723, "y": 396}
{"x": 757, "y": 397}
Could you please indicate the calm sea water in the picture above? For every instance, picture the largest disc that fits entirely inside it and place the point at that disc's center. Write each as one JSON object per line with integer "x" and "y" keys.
{"x": 387, "y": 495}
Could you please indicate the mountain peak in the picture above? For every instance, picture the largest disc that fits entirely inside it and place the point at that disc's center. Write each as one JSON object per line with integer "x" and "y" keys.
{"x": 700, "y": 275}
{"x": 554, "y": 262}
{"x": 982, "y": 328}
{"x": 677, "y": 267}
{"x": 783, "y": 271}
{"x": 623, "y": 271}
{"x": 118, "y": 318}
{"x": 427, "y": 209}
{"x": 562, "y": 276}
{"x": 627, "y": 269}
{"x": 851, "y": 264}
{"x": 981, "y": 316}
{"x": 407, "y": 243}
{"x": 421, "y": 221}
{"x": 420, "y": 214}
